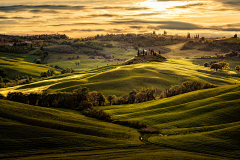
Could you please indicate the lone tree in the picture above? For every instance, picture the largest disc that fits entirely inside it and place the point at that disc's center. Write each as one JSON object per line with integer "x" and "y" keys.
{"x": 237, "y": 68}
{"x": 206, "y": 64}
{"x": 216, "y": 66}
{"x": 110, "y": 98}
{"x": 6, "y": 80}
{"x": 1, "y": 79}
{"x": 2, "y": 73}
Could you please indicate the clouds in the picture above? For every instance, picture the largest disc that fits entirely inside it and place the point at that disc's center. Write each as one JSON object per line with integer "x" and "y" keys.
{"x": 228, "y": 27}
{"x": 18, "y": 8}
{"x": 136, "y": 27}
{"x": 84, "y": 30}
{"x": 121, "y": 8}
{"x": 160, "y": 24}
{"x": 8, "y": 22}
{"x": 190, "y": 5}
{"x": 230, "y": 3}
{"x": 77, "y": 17}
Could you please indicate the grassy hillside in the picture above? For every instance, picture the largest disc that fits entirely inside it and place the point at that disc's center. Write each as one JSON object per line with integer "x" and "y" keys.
{"x": 202, "y": 121}
{"x": 31, "y": 132}
{"x": 29, "y": 129}
{"x": 119, "y": 81}
{"x": 122, "y": 79}
{"x": 20, "y": 65}
{"x": 176, "y": 52}
{"x": 232, "y": 63}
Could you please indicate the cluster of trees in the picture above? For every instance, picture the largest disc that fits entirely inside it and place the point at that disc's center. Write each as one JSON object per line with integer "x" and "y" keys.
{"x": 209, "y": 45}
{"x": 27, "y": 79}
{"x": 4, "y": 82}
{"x": 216, "y": 65}
{"x": 141, "y": 40}
{"x": 14, "y": 49}
{"x": 43, "y": 56}
{"x": 79, "y": 99}
{"x": 148, "y": 94}
{"x": 145, "y": 94}
{"x": 49, "y": 73}
{"x": 220, "y": 55}
{"x": 94, "y": 44}
{"x": 232, "y": 54}
{"x": 186, "y": 86}
{"x": 3, "y": 73}
{"x": 3, "y": 79}
{"x": 67, "y": 70}
{"x": 92, "y": 53}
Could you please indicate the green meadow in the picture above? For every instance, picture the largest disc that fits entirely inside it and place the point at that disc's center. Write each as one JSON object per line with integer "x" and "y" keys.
{"x": 161, "y": 76}
{"x": 205, "y": 121}
{"x": 20, "y": 65}
{"x": 31, "y": 132}
{"x": 202, "y": 124}
{"x": 27, "y": 130}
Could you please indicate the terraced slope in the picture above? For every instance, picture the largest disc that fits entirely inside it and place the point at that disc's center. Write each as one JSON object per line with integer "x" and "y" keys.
{"x": 205, "y": 121}
{"x": 28, "y": 130}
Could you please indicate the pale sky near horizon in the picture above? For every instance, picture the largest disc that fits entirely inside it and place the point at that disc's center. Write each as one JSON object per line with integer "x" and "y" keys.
{"x": 82, "y": 18}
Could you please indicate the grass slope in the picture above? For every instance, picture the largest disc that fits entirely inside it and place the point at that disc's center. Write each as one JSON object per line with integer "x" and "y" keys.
{"x": 122, "y": 79}
{"x": 15, "y": 67}
{"x": 204, "y": 121}
{"x": 118, "y": 81}
{"x": 31, "y": 132}
{"x": 27, "y": 130}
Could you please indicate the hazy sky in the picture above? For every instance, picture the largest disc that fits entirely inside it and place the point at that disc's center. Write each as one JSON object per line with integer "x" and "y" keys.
{"x": 82, "y": 18}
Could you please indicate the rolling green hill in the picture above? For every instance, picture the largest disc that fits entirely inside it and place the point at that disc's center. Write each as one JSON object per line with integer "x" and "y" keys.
{"x": 31, "y": 132}
{"x": 204, "y": 121}
{"x": 202, "y": 124}
{"x": 122, "y": 79}
{"x": 20, "y": 66}
{"x": 27, "y": 130}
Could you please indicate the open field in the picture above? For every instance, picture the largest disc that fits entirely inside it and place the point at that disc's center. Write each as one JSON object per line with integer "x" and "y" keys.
{"x": 203, "y": 124}
{"x": 177, "y": 53}
{"x": 157, "y": 75}
{"x": 84, "y": 65}
{"x": 204, "y": 121}
{"x": 31, "y": 132}
{"x": 20, "y": 65}
{"x": 232, "y": 63}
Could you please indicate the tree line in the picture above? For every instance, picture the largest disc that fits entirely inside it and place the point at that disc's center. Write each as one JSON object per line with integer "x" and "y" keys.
{"x": 80, "y": 99}
{"x": 83, "y": 100}
{"x": 216, "y": 65}
{"x": 4, "y": 81}
{"x": 148, "y": 94}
